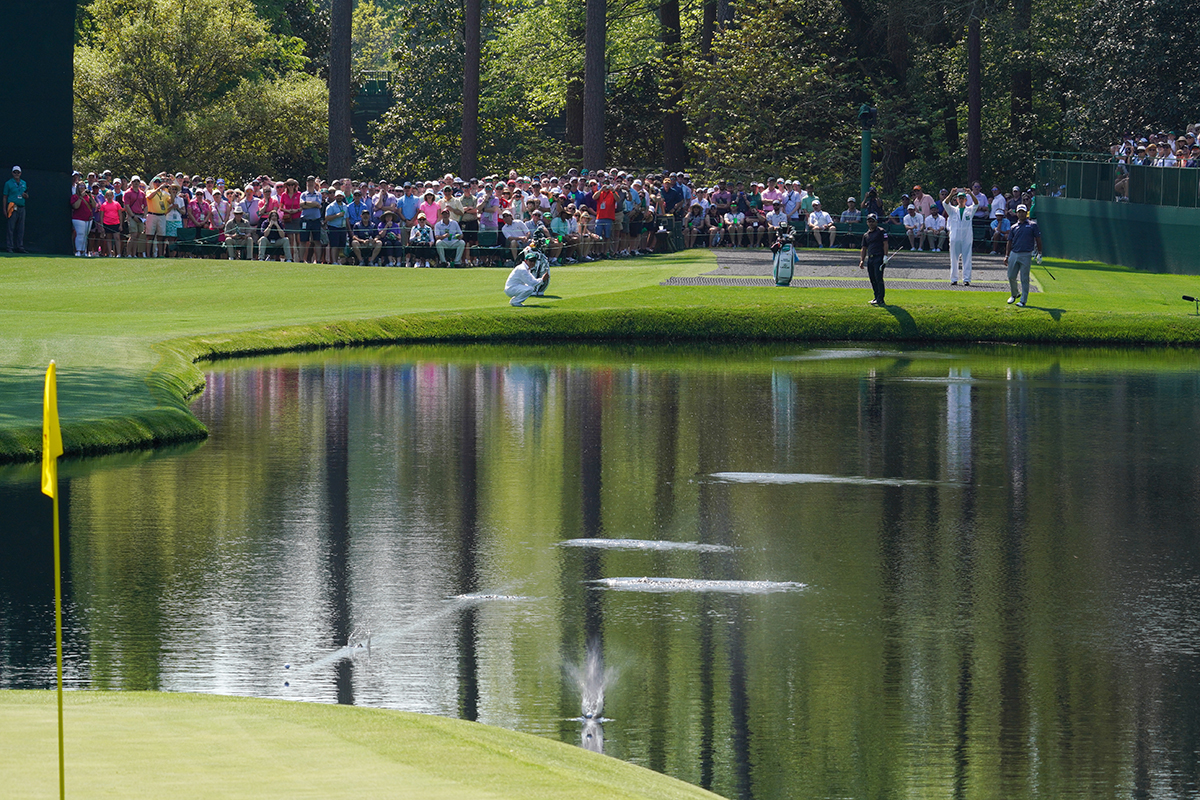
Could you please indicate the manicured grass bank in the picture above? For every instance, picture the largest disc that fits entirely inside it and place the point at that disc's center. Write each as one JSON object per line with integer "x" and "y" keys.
{"x": 128, "y": 334}
{"x": 152, "y": 744}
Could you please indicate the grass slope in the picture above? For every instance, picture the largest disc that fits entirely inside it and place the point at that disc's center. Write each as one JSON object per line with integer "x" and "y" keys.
{"x": 151, "y": 744}
{"x": 127, "y": 334}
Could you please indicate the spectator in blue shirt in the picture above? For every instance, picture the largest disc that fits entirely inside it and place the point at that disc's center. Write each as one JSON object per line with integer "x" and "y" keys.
{"x": 1000, "y": 228}
{"x": 15, "y": 194}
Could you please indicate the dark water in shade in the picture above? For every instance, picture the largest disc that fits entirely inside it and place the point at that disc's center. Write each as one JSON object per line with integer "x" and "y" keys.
{"x": 963, "y": 573}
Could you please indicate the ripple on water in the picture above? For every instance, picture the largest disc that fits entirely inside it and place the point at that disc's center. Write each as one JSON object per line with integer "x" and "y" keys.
{"x": 646, "y": 544}
{"x": 697, "y": 585}
{"x": 788, "y": 478}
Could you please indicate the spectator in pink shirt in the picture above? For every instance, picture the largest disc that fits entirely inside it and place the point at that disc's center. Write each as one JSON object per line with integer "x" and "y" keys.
{"x": 110, "y": 216}
{"x": 430, "y": 207}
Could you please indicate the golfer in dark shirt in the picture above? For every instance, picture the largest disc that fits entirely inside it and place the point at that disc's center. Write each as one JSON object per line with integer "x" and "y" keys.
{"x": 874, "y": 251}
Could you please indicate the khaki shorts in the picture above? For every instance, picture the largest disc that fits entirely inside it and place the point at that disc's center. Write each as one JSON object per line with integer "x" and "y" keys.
{"x": 156, "y": 225}
{"x": 137, "y": 225}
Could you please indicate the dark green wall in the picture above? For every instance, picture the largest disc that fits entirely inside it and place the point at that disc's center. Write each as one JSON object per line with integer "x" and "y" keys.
{"x": 37, "y": 116}
{"x": 1144, "y": 237}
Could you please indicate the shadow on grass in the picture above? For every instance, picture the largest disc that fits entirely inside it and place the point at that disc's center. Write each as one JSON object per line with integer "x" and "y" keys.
{"x": 908, "y": 326}
{"x": 1055, "y": 313}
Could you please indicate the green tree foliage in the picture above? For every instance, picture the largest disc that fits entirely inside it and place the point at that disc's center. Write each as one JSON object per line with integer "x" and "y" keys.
{"x": 200, "y": 85}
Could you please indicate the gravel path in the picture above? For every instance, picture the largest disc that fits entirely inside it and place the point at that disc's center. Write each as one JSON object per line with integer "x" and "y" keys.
{"x": 839, "y": 268}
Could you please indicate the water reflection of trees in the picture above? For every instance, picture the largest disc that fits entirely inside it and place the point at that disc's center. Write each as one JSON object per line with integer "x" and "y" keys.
{"x": 985, "y": 635}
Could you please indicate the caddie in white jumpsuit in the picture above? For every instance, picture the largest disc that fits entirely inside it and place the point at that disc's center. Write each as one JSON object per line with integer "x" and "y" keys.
{"x": 958, "y": 222}
{"x": 521, "y": 284}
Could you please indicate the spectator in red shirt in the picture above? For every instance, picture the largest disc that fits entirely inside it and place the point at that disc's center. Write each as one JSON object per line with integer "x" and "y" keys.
{"x": 135, "y": 216}
{"x": 606, "y": 206}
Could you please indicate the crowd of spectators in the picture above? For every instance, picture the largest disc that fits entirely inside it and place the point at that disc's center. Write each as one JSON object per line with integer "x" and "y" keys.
{"x": 451, "y": 221}
{"x": 1162, "y": 149}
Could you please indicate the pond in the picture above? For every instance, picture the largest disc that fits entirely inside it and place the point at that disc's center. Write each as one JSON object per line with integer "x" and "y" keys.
{"x": 780, "y": 571}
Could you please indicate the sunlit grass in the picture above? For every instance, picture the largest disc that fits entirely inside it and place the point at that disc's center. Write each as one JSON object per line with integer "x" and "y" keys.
{"x": 151, "y": 744}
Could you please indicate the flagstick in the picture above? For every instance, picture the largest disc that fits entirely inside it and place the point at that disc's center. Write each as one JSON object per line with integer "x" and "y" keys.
{"x": 62, "y": 769}
{"x": 52, "y": 448}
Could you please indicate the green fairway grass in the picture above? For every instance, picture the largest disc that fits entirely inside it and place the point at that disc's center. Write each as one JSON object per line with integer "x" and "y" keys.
{"x": 127, "y": 333}
{"x": 167, "y": 745}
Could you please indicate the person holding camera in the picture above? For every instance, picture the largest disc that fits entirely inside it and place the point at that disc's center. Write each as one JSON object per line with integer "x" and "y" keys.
{"x": 874, "y": 252}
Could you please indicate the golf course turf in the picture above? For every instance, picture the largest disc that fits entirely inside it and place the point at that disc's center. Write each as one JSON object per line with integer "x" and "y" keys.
{"x": 128, "y": 334}
{"x": 170, "y": 745}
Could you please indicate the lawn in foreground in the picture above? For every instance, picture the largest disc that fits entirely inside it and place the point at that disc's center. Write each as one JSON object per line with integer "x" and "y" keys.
{"x": 152, "y": 744}
{"x": 105, "y": 322}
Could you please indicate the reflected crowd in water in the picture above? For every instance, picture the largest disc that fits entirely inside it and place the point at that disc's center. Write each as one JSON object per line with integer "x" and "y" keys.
{"x": 775, "y": 572}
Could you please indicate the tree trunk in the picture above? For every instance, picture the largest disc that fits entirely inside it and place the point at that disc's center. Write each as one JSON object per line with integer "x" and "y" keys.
{"x": 469, "y": 161}
{"x": 724, "y": 14}
{"x": 949, "y": 115}
{"x": 674, "y": 152}
{"x": 1022, "y": 77}
{"x": 595, "y": 33}
{"x": 341, "y": 147}
{"x": 573, "y": 121}
{"x": 708, "y": 24}
{"x": 974, "y": 103}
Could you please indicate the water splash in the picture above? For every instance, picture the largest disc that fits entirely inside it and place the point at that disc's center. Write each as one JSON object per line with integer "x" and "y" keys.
{"x": 593, "y": 679}
{"x": 697, "y": 585}
{"x": 646, "y": 544}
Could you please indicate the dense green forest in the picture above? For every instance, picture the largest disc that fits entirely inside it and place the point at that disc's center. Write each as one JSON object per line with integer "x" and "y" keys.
{"x": 720, "y": 87}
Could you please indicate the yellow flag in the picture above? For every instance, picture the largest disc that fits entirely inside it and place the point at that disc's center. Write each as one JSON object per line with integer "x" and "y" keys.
{"x": 52, "y": 446}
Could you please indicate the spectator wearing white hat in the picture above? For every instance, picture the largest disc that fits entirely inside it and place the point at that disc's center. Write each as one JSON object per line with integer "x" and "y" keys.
{"x": 914, "y": 227}
{"x": 935, "y": 230}
{"x": 820, "y": 222}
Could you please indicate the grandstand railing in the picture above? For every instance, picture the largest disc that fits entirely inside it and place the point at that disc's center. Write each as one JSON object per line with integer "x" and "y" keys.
{"x": 1091, "y": 178}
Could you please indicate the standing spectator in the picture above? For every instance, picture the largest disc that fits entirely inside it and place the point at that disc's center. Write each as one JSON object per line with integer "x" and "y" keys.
{"x": 820, "y": 222}
{"x": 793, "y": 206}
{"x": 110, "y": 217}
{"x": 962, "y": 235}
{"x": 173, "y": 219}
{"x": 1023, "y": 239}
{"x": 606, "y": 208}
{"x": 135, "y": 217}
{"x": 289, "y": 214}
{"x": 922, "y": 201}
{"x": 980, "y": 200}
{"x": 16, "y": 192}
{"x": 81, "y": 214}
{"x": 310, "y": 222}
{"x": 872, "y": 205}
{"x": 1000, "y": 229}
{"x": 429, "y": 206}
{"x": 874, "y": 252}
{"x": 336, "y": 214}
{"x": 448, "y": 235}
{"x": 914, "y": 227}
{"x": 998, "y": 201}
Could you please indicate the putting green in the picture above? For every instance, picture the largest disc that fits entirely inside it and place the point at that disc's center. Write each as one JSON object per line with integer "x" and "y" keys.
{"x": 152, "y": 744}
{"x": 127, "y": 333}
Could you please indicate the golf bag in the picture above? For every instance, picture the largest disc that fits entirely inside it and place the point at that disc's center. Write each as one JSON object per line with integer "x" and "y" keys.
{"x": 785, "y": 257}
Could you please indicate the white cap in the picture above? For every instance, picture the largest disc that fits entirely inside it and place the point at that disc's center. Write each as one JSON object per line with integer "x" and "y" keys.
{"x": 16, "y": 169}
{"x": 1022, "y": 207}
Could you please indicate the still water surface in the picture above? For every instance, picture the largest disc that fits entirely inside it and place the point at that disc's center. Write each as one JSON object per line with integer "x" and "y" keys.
{"x": 802, "y": 573}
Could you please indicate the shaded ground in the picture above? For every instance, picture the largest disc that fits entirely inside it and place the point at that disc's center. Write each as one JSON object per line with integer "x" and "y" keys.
{"x": 834, "y": 268}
